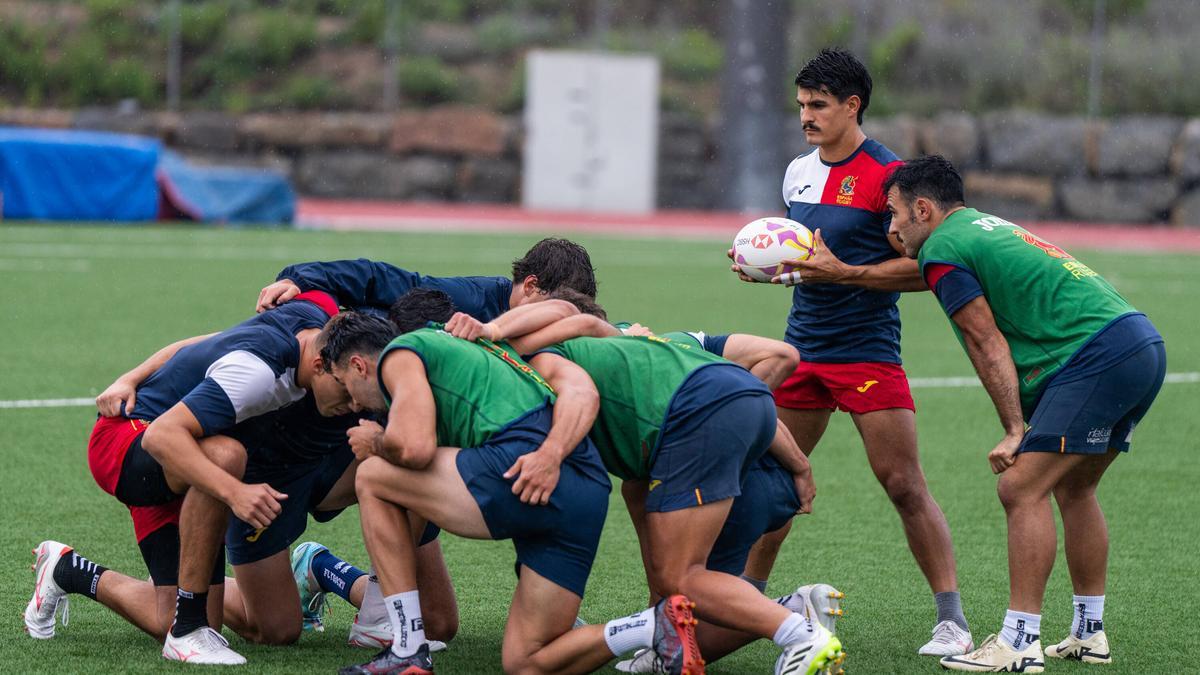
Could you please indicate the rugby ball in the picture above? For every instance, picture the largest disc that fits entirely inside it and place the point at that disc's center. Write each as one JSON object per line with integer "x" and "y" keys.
{"x": 762, "y": 245}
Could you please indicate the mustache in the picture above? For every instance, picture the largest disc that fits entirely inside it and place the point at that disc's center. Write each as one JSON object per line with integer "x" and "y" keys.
{"x": 809, "y": 126}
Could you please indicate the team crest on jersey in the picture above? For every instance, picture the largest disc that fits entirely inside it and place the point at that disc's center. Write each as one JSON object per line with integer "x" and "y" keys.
{"x": 845, "y": 193}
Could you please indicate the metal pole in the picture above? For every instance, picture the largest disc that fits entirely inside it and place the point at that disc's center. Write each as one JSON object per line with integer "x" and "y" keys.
{"x": 391, "y": 60}
{"x": 1095, "y": 68}
{"x": 174, "y": 53}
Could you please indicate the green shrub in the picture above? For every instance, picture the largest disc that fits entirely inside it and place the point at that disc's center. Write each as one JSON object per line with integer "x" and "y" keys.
{"x": 202, "y": 23}
{"x": 500, "y": 34}
{"x": 22, "y": 61}
{"x": 692, "y": 55}
{"x": 306, "y": 92}
{"x": 427, "y": 80}
{"x": 127, "y": 77}
{"x": 79, "y": 73}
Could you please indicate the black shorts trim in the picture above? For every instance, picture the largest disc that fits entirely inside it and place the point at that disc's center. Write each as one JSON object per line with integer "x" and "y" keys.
{"x": 160, "y": 551}
{"x": 142, "y": 481}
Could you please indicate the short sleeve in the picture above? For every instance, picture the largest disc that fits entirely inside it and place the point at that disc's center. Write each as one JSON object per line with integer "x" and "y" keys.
{"x": 954, "y": 286}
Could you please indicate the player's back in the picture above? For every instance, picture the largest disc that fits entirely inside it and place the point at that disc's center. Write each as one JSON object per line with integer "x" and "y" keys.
{"x": 264, "y": 345}
{"x": 839, "y": 322}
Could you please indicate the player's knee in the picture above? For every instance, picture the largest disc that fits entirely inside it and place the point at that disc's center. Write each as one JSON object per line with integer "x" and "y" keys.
{"x": 226, "y": 453}
{"x": 275, "y": 634}
{"x": 906, "y": 489}
{"x": 518, "y": 662}
{"x": 1072, "y": 493}
{"x": 441, "y": 626}
{"x": 367, "y": 478}
{"x": 1013, "y": 495}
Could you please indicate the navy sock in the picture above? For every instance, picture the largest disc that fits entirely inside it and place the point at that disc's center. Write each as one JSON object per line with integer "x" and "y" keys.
{"x": 335, "y": 575}
{"x": 191, "y": 612}
{"x": 76, "y": 574}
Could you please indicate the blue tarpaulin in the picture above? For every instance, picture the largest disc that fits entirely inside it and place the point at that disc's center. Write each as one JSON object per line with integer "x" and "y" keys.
{"x": 77, "y": 175}
{"x": 226, "y": 194}
{"x": 48, "y": 174}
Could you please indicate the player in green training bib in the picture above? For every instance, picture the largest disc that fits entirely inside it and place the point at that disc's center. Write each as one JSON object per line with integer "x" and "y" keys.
{"x": 681, "y": 427}
{"x": 1056, "y": 346}
{"x": 463, "y": 419}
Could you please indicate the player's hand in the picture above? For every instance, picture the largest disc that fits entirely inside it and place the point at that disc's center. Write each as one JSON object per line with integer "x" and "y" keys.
{"x": 638, "y": 329}
{"x": 737, "y": 269}
{"x": 822, "y": 267}
{"x": 366, "y": 439}
{"x": 257, "y": 504}
{"x": 469, "y": 328}
{"x": 1005, "y": 453}
{"x": 537, "y": 475}
{"x": 276, "y": 294}
{"x": 806, "y": 490}
{"x": 108, "y": 403}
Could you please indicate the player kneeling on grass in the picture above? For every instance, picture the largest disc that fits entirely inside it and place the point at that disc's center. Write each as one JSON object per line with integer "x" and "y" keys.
{"x": 681, "y": 427}
{"x": 462, "y": 418}
{"x": 149, "y": 456}
{"x": 1055, "y": 346}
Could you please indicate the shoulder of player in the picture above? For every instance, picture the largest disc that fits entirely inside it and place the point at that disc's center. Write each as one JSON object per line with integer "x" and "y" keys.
{"x": 799, "y": 162}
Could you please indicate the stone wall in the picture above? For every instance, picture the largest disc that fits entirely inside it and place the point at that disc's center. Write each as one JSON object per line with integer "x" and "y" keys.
{"x": 1015, "y": 164}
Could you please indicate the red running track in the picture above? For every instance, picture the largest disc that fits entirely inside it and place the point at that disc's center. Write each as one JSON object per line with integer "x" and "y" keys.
{"x": 427, "y": 217}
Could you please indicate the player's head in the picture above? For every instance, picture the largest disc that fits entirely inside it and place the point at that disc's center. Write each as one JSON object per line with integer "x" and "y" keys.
{"x": 350, "y": 347}
{"x": 582, "y": 302}
{"x": 550, "y": 265}
{"x": 920, "y": 193}
{"x": 833, "y": 91}
{"x": 418, "y": 307}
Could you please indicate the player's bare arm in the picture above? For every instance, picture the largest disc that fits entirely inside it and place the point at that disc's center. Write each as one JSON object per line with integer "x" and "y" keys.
{"x": 989, "y": 353}
{"x": 575, "y": 409}
{"x": 516, "y": 322}
{"x": 785, "y": 449}
{"x": 898, "y": 274}
{"x": 123, "y": 390}
{"x": 410, "y": 439}
{"x": 275, "y": 294}
{"x": 771, "y": 361}
{"x": 172, "y": 441}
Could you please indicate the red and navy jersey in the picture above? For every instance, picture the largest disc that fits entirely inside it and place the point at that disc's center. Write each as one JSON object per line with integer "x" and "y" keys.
{"x": 837, "y": 323}
{"x": 240, "y": 373}
{"x": 367, "y": 284}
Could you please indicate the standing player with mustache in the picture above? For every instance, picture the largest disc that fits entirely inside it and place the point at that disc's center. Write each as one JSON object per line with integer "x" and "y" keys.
{"x": 844, "y": 319}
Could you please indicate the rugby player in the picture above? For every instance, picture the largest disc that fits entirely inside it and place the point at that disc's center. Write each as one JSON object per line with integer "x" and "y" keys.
{"x": 844, "y": 319}
{"x": 680, "y": 427}
{"x": 173, "y": 435}
{"x": 1058, "y": 349}
{"x": 444, "y": 394}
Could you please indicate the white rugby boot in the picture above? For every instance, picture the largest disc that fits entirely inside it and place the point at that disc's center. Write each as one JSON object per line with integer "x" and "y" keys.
{"x": 1092, "y": 650}
{"x": 997, "y": 656}
{"x": 949, "y": 639}
{"x": 48, "y": 596}
{"x": 203, "y": 646}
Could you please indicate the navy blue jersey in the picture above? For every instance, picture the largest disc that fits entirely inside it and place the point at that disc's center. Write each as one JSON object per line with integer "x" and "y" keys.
{"x": 838, "y": 323}
{"x": 362, "y": 282}
{"x": 240, "y": 373}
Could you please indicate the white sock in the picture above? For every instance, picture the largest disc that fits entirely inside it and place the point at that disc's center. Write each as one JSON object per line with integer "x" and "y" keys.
{"x": 794, "y": 629}
{"x": 630, "y": 632}
{"x": 792, "y": 601}
{"x": 373, "y": 610}
{"x": 408, "y": 630}
{"x": 1020, "y": 629}
{"x": 1089, "y": 615}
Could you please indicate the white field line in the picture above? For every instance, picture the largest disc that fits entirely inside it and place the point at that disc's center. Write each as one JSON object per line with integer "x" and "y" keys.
{"x": 914, "y": 382}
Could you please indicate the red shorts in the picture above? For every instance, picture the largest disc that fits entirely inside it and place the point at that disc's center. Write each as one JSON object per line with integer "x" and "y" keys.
{"x": 852, "y": 387}
{"x": 109, "y": 444}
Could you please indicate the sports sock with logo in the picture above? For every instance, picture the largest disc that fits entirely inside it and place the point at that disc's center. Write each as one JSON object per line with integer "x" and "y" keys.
{"x": 760, "y": 584}
{"x": 334, "y": 575}
{"x": 630, "y": 632}
{"x": 794, "y": 629}
{"x": 408, "y": 629}
{"x": 373, "y": 610}
{"x": 191, "y": 612}
{"x": 1089, "y": 615}
{"x": 949, "y": 608}
{"x": 76, "y": 574}
{"x": 1020, "y": 629}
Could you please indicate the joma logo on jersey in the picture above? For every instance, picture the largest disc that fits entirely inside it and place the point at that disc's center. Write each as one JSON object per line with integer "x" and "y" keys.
{"x": 845, "y": 193}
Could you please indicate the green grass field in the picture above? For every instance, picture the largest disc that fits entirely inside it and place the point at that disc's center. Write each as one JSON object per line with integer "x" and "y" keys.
{"x": 83, "y": 304}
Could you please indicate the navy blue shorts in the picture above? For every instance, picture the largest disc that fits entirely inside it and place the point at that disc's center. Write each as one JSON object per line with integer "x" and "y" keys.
{"x": 558, "y": 540}
{"x": 719, "y": 423}
{"x": 713, "y": 344}
{"x": 768, "y": 501}
{"x": 306, "y": 484}
{"x": 1097, "y": 413}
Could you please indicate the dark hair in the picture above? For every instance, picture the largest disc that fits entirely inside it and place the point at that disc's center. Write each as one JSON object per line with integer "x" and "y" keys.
{"x": 584, "y": 303}
{"x": 557, "y": 263}
{"x": 932, "y": 177}
{"x": 840, "y": 74}
{"x": 418, "y": 307}
{"x": 353, "y": 333}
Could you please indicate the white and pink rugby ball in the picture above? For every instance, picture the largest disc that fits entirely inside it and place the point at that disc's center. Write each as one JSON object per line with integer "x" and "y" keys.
{"x": 762, "y": 245}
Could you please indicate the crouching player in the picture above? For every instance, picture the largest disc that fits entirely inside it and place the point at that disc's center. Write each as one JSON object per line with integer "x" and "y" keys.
{"x": 1055, "y": 345}
{"x": 680, "y": 427}
{"x": 175, "y": 439}
{"x": 461, "y": 418}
